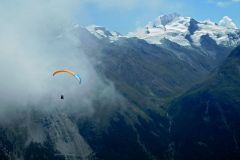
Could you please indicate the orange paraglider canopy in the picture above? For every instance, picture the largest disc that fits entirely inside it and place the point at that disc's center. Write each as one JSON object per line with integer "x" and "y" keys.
{"x": 69, "y": 72}
{"x": 64, "y": 70}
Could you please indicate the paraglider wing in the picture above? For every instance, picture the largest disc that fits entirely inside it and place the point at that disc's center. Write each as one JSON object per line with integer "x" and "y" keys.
{"x": 69, "y": 72}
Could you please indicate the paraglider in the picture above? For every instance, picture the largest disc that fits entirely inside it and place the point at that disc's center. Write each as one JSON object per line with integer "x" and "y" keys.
{"x": 70, "y": 73}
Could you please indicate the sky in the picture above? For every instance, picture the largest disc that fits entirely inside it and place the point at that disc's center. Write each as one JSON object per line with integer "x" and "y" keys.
{"x": 127, "y": 15}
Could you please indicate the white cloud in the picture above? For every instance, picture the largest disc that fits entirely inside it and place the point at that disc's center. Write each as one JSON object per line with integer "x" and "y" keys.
{"x": 225, "y": 3}
{"x": 30, "y": 51}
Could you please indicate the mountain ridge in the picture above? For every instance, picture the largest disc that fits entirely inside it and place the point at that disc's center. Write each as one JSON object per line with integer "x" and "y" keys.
{"x": 185, "y": 31}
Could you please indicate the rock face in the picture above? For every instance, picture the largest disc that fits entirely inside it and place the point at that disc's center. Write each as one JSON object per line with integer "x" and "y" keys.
{"x": 205, "y": 119}
{"x": 44, "y": 135}
{"x": 171, "y": 102}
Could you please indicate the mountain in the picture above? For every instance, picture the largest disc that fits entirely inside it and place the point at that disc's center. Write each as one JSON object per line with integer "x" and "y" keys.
{"x": 156, "y": 64}
{"x": 183, "y": 30}
{"x": 205, "y": 120}
{"x": 145, "y": 74}
{"x": 194, "y": 42}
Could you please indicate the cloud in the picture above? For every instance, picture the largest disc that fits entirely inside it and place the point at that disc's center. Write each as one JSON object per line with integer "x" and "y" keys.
{"x": 31, "y": 50}
{"x": 225, "y": 3}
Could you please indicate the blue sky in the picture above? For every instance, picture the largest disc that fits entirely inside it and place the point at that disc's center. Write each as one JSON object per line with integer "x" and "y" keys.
{"x": 127, "y": 15}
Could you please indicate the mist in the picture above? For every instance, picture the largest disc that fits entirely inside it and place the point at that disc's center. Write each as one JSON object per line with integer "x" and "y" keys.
{"x": 36, "y": 40}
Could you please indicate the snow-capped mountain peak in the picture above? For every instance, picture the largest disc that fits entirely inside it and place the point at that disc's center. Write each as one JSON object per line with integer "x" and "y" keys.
{"x": 183, "y": 30}
{"x": 102, "y": 33}
{"x": 163, "y": 20}
{"x": 172, "y": 27}
{"x": 187, "y": 31}
{"x": 227, "y": 22}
